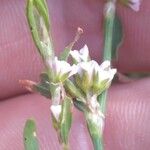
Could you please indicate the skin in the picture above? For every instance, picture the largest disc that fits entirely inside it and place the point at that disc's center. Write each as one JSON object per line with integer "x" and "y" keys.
{"x": 128, "y": 109}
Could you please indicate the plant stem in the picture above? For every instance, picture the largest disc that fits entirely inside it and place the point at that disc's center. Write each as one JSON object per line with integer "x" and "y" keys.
{"x": 108, "y": 30}
{"x": 65, "y": 147}
{"x": 95, "y": 129}
{"x": 108, "y": 34}
{"x": 102, "y": 100}
{"x": 97, "y": 142}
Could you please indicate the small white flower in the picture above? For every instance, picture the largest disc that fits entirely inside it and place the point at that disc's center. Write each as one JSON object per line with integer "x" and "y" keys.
{"x": 105, "y": 72}
{"x": 134, "y": 4}
{"x": 103, "y": 77}
{"x": 61, "y": 70}
{"x": 79, "y": 56}
{"x": 92, "y": 77}
{"x": 56, "y": 110}
{"x": 84, "y": 77}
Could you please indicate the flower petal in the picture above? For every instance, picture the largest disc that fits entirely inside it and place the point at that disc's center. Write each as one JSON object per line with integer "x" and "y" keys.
{"x": 84, "y": 53}
{"x": 135, "y": 4}
{"x": 80, "y": 56}
{"x": 56, "y": 110}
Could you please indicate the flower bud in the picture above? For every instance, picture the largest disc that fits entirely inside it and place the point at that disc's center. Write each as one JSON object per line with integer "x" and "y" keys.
{"x": 102, "y": 77}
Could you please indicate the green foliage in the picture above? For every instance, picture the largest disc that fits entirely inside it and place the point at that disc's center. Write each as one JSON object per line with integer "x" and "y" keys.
{"x": 73, "y": 90}
{"x": 102, "y": 100}
{"x": 80, "y": 105}
{"x": 38, "y": 20}
{"x": 30, "y": 136}
{"x": 44, "y": 86}
{"x": 117, "y": 36}
{"x": 66, "y": 119}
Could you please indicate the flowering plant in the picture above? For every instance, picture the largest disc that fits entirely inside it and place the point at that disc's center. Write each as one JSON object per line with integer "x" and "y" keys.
{"x": 82, "y": 84}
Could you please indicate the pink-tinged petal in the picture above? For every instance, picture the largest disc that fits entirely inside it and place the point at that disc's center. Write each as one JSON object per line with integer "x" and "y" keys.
{"x": 105, "y": 65}
{"x": 113, "y": 72}
{"x": 75, "y": 55}
{"x": 84, "y": 53}
{"x": 74, "y": 69}
{"x": 135, "y": 4}
{"x": 80, "y": 56}
{"x": 103, "y": 75}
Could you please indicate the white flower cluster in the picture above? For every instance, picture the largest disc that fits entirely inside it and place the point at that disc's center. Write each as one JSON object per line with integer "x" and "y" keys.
{"x": 91, "y": 77}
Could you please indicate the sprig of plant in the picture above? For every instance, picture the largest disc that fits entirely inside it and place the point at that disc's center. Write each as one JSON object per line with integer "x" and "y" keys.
{"x": 87, "y": 89}
{"x": 56, "y": 71}
{"x": 113, "y": 38}
{"x": 38, "y": 19}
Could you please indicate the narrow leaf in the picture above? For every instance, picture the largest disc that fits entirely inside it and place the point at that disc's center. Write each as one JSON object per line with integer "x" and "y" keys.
{"x": 37, "y": 15}
{"x": 117, "y": 36}
{"x": 43, "y": 90}
{"x": 42, "y": 8}
{"x": 80, "y": 105}
{"x": 44, "y": 86}
{"x": 102, "y": 100}
{"x": 30, "y": 136}
{"x": 44, "y": 77}
{"x": 66, "y": 119}
{"x": 73, "y": 90}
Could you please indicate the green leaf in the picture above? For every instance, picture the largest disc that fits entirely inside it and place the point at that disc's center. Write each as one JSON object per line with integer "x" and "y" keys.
{"x": 102, "y": 100}
{"x": 38, "y": 20}
{"x": 117, "y": 36}
{"x": 42, "y": 8}
{"x": 80, "y": 105}
{"x": 43, "y": 90}
{"x": 44, "y": 86}
{"x": 66, "y": 119}
{"x": 73, "y": 90}
{"x": 30, "y": 136}
{"x": 44, "y": 77}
